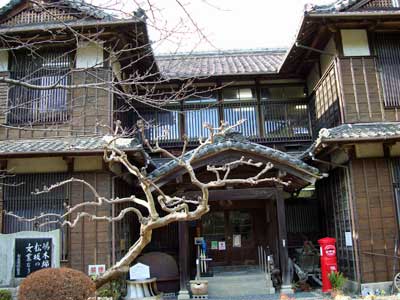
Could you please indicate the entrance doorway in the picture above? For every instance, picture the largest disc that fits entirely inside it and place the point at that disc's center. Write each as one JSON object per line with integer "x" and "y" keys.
{"x": 230, "y": 237}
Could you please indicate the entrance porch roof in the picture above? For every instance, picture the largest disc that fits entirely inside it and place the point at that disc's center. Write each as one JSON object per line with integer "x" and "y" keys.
{"x": 233, "y": 146}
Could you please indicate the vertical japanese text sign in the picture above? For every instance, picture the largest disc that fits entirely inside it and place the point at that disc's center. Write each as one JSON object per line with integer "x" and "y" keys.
{"x": 31, "y": 255}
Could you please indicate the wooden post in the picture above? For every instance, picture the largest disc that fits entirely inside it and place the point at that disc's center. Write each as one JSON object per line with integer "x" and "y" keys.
{"x": 282, "y": 242}
{"x": 183, "y": 259}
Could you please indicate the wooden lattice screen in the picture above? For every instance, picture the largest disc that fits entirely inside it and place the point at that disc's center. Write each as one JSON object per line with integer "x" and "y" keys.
{"x": 18, "y": 198}
{"x": 387, "y": 49}
{"x": 29, "y": 105}
{"x": 380, "y": 4}
{"x": 31, "y": 16}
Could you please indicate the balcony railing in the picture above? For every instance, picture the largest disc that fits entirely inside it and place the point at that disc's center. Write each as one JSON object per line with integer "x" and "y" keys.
{"x": 266, "y": 121}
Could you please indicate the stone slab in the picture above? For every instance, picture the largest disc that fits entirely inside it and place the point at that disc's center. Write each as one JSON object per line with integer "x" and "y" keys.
{"x": 7, "y": 250}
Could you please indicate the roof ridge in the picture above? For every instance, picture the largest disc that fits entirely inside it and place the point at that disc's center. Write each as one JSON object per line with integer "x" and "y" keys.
{"x": 336, "y": 5}
{"x": 226, "y": 52}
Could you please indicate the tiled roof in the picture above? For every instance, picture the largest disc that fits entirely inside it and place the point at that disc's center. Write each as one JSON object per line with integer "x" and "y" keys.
{"x": 221, "y": 63}
{"x": 354, "y": 133}
{"x": 63, "y": 145}
{"x": 235, "y": 141}
{"x": 335, "y": 6}
{"x": 361, "y": 131}
{"x": 79, "y": 5}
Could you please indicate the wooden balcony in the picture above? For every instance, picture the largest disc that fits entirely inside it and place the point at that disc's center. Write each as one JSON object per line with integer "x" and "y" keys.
{"x": 267, "y": 121}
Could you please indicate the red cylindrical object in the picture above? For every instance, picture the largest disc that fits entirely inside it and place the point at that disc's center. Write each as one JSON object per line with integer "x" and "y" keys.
{"x": 328, "y": 261}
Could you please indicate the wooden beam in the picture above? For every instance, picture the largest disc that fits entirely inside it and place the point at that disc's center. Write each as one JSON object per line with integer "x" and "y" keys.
{"x": 183, "y": 259}
{"x": 234, "y": 194}
{"x": 282, "y": 238}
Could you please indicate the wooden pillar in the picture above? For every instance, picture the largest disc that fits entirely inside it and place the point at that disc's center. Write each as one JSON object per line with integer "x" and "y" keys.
{"x": 282, "y": 241}
{"x": 183, "y": 260}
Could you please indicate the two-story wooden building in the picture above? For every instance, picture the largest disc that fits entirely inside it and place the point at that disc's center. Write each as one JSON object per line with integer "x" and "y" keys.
{"x": 324, "y": 112}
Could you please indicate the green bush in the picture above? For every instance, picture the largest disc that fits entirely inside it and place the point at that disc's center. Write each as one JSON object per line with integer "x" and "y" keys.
{"x": 5, "y": 295}
{"x": 337, "y": 280}
{"x": 60, "y": 284}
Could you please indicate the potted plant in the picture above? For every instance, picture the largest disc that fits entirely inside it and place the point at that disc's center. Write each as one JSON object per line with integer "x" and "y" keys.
{"x": 5, "y": 295}
{"x": 111, "y": 291}
{"x": 337, "y": 281}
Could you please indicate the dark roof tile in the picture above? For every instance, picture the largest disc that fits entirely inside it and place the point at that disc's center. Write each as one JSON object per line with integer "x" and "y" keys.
{"x": 64, "y": 145}
{"x": 221, "y": 63}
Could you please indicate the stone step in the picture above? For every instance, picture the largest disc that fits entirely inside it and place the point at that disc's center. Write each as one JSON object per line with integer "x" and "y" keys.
{"x": 226, "y": 285}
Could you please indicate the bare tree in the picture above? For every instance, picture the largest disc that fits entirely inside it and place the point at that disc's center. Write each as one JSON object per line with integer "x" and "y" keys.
{"x": 175, "y": 208}
{"x": 133, "y": 88}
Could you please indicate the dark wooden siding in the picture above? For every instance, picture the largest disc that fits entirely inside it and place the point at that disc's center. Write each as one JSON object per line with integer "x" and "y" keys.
{"x": 89, "y": 108}
{"x": 362, "y": 97}
{"x": 90, "y": 242}
{"x": 375, "y": 218}
{"x": 387, "y": 49}
{"x": 326, "y": 101}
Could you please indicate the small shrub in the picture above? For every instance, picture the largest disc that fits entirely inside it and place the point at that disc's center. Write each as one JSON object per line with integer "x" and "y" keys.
{"x": 337, "y": 280}
{"x": 60, "y": 284}
{"x": 5, "y": 295}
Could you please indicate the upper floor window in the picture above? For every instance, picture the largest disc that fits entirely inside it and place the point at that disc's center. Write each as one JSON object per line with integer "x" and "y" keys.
{"x": 387, "y": 48}
{"x": 199, "y": 109}
{"x": 42, "y": 69}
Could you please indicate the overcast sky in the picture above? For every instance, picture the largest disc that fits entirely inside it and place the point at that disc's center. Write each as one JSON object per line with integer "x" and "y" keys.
{"x": 227, "y": 24}
{"x": 239, "y": 24}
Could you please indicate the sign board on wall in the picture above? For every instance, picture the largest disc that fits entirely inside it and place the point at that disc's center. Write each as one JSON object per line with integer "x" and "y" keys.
{"x": 32, "y": 254}
{"x": 95, "y": 270}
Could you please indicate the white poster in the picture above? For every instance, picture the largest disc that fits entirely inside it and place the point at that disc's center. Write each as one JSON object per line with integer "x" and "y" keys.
{"x": 237, "y": 240}
{"x": 221, "y": 246}
{"x": 349, "y": 239}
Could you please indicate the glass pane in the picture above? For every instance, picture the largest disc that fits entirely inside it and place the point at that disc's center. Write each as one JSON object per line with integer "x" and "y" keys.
{"x": 214, "y": 226}
{"x": 195, "y": 119}
{"x": 242, "y": 224}
{"x": 161, "y": 122}
{"x": 287, "y": 92}
{"x": 233, "y": 114}
{"x": 202, "y": 97}
{"x": 235, "y": 94}
{"x": 286, "y": 120}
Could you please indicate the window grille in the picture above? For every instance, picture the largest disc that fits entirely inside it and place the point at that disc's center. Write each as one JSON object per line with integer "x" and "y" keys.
{"x": 335, "y": 193}
{"x": 387, "y": 49}
{"x": 30, "y": 105}
{"x": 267, "y": 119}
{"x": 18, "y": 198}
{"x": 395, "y": 164}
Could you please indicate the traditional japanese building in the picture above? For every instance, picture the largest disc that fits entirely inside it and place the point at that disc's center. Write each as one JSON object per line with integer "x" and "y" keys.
{"x": 324, "y": 112}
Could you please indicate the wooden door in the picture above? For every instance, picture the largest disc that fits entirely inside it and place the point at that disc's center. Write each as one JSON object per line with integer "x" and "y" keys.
{"x": 230, "y": 237}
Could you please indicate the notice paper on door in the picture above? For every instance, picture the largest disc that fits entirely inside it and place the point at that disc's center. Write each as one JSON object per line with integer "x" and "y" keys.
{"x": 214, "y": 245}
{"x": 221, "y": 246}
{"x": 237, "y": 240}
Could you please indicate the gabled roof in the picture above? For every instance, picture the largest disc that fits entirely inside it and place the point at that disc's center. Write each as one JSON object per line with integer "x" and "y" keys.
{"x": 65, "y": 145}
{"x": 336, "y": 6}
{"x": 236, "y": 142}
{"x": 205, "y": 64}
{"x": 78, "y": 5}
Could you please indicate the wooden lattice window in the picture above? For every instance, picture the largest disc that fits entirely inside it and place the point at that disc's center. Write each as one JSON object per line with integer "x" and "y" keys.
{"x": 32, "y": 105}
{"x": 18, "y": 198}
{"x": 387, "y": 49}
{"x": 374, "y": 4}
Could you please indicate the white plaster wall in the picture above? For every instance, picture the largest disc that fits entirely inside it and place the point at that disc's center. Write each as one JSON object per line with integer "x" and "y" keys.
{"x": 355, "y": 42}
{"x": 7, "y": 252}
{"x": 89, "y": 55}
{"x": 3, "y": 60}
